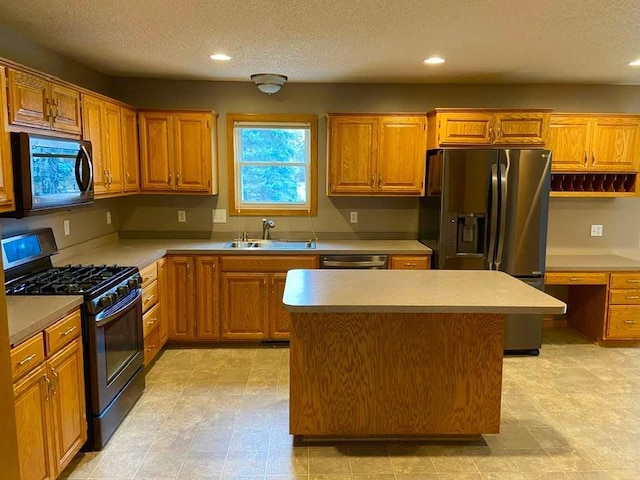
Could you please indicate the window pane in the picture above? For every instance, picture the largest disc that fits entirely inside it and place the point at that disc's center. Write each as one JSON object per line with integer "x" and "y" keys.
{"x": 273, "y": 184}
{"x": 273, "y": 145}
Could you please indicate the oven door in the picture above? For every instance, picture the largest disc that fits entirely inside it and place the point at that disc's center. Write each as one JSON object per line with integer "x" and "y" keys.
{"x": 116, "y": 349}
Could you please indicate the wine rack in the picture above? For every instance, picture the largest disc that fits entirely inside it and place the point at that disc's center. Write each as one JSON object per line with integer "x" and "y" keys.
{"x": 594, "y": 184}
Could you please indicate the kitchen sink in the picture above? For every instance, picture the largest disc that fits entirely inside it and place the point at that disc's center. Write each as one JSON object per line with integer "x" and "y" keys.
{"x": 280, "y": 244}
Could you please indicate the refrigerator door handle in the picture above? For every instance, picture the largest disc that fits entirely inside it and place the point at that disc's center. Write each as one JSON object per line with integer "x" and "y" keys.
{"x": 493, "y": 220}
{"x": 504, "y": 185}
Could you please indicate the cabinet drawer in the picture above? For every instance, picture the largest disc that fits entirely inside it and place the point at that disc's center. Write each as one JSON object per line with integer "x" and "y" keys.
{"x": 624, "y": 322}
{"x": 151, "y": 319}
{"x": 576, "y": 278}
{"x": 27, "y": 355}
{"x": 62, "y": 332}
{"x": 149, "y": 274}
{"x": 151, "y": 346}
{"x": 264, "y": 263}
{"x": 149, "y": 296}
{"x": 624, "y": 297}
{"x": 410, "y": 262}
{"x": 625, "y": 280}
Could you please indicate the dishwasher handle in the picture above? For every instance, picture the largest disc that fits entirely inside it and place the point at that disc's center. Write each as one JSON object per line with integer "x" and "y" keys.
{"x": 372, "y": 262}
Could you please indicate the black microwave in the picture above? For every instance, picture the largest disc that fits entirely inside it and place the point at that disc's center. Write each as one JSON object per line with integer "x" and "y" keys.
{"x": 50, "y": 173}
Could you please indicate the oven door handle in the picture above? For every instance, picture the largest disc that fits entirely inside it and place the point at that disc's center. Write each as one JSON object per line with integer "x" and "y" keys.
{"x": 125, "y": 308}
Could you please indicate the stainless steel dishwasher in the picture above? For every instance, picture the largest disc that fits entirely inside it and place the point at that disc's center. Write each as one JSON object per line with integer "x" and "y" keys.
{"x": 373, "y": 262}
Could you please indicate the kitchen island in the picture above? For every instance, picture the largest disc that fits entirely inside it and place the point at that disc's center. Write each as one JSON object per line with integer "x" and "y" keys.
{"x": 384, "y": 353}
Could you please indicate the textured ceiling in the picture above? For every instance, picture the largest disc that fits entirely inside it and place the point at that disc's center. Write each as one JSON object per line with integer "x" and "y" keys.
{"x": 381, "y": 41}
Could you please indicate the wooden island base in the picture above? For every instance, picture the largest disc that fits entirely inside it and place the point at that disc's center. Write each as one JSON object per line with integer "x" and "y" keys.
{"x": 390, "y": 375}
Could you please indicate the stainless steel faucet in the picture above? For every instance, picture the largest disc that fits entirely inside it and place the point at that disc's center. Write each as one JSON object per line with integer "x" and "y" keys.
{"x": 266, "y": 226}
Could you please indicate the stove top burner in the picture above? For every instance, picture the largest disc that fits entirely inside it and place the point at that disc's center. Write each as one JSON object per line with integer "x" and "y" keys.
{"x": 67, "y": 280}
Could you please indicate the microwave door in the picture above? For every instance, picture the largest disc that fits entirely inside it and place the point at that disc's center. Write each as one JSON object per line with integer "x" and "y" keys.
{"x": 84, "y": 170}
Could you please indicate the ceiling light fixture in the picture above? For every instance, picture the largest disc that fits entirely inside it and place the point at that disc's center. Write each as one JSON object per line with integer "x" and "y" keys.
{"x": 434, "y": 60}
{"x": 269, "y": 82}
{"x": 635, "y": 63}
{"x": 221, "y": 57}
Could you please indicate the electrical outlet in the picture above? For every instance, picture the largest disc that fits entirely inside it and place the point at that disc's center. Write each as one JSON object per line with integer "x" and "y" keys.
{"x": 353, "y": 218}
{"x": 108, "y": 218}
{"x": 182, "y": 216}
{"x": 67, "y": 230}
{"x": 596, "y": 230}
{"x": 219, "y": 216}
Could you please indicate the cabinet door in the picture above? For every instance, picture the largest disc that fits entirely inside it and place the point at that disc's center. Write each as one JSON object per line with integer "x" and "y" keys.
{"x": 615, "y": 144}
{"x": 526, "y": 128}
{"x": 156, "y": 151}
{"x": 279, "y": 317}
{"x": 28, "y": 100}
{"x": 207, "y": 298}
{"x": 68, "y": 404}
{"x": 113, "y": 147}
{"x": 93, "y": 130}
{"x": 163, "y": 294}
{"x": 7, "y": 198}
{"x": 353, "y": 154}
{"x": 33, "y": 426}
{"x": 192, "y": 152}
{"x": 464, "y": 128}
{"x": 569, "y": 142}
{"x": 181, "y": 298}
{"x": 130, "y": 154}
{"x": 402, "y": 154}
{"x": 65, "y": 105}
{"x": 244, "y": 305}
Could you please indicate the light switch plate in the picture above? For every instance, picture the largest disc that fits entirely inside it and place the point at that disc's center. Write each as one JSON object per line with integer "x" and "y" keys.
{"x": 219, "y": 215}
{"x": 67, "y": 229}
{"x": 108, "y": 218}
{"x": 353, "y": 218}
{"x": 182, "y": 216}
{"x": 596, "y": 230}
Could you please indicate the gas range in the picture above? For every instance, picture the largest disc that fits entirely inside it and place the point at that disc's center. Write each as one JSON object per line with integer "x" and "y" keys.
{"x": 102, "y": 286}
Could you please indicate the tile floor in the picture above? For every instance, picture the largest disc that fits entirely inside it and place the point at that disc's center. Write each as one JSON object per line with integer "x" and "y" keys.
{"x": 572, "y": 413}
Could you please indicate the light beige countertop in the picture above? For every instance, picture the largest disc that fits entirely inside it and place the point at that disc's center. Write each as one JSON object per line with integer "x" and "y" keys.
{"x": 142, "y": 252}
{"x": 414, "y": 291}
{"x": 590, "y": 263}
{"x": 29, "y": 314}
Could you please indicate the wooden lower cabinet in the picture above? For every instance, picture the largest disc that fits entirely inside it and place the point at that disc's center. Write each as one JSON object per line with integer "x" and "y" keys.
{"x": 279, "y": 317}
{"x": 34, "y": 426}
{"x": 410, "y": 262}
{"x": 207, "y": 299}
{"x": 244, "y": 305}
{"x": 163, "y": 295}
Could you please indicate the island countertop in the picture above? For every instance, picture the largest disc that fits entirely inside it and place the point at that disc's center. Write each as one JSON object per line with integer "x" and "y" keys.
{"x": 414, "y": 291}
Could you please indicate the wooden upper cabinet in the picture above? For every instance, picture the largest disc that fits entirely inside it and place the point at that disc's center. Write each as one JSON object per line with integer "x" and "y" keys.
{"x": 244, "y": 305}
{"x": 376, "y": 154}
{"x": 181, "y": 301}
{"x": 569, "y": 142}
{"x": 527, "y": 128}
{"x": 208, "y": 298}
{"x": 65, "y": 109}
{"x": 490, "y": 127}
{"x": 93, "y": 131}
{"x": 112, "y": 143}
{"x": 402, "y": 157}
{"x": 7, "y": 197}
{"x": 36, "y": 102}
{"x": 176, "y": 152}
{"x": 615, "y": 144}
{"x": 279, "y": 317}
{"x": 130, "y": 152}
{"x": 464, "y": 129}
{"x": 32, "y": 403}
{"x": 353, "y": 152}
{"x": 28, "y": 100}
{"x": 68, "y": 403}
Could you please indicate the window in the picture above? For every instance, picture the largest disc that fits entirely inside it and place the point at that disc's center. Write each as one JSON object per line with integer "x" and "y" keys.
{"x": 272, "y": 164}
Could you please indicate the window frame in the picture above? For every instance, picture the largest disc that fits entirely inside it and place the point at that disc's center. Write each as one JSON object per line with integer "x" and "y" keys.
{"x": 312, "y": 120}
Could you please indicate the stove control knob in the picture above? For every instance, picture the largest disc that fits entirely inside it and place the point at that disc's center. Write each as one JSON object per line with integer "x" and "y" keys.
{"x": 133, "y": 283}
{"x": 106, "y": 301}
{"x": 123, "y": 290}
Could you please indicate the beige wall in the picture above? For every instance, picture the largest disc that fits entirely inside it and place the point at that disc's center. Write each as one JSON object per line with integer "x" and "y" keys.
{"x": 569, "y": 219}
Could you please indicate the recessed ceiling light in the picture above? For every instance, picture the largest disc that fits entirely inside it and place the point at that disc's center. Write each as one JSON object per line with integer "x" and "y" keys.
{"x": 635, "y": 63}
{"x": 220, "y": 56}
{"x": 434, "y": 60}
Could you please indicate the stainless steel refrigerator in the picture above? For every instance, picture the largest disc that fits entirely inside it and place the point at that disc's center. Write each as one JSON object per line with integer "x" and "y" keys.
{"x": 487, "y": 209}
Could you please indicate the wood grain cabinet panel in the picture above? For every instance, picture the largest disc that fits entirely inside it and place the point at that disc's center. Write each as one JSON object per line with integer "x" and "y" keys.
{"x": 570, "y": 142}
{"x": 34, "y": 428}
{"x": 625, "y": 280}
{"x": 156, "y": 151}
{"x": 192, "y": 152}
{"x": 62, "y": 332}
{"x": 149, "y": 296}
{"x": 112, "y": 143}
{"x": 28, "y": 100}
{"x": 27, "y": 355}
{"x": 7, "y": 197}
{"x": 615, "y": 144}
{"x": 474, "y": 128}
{"x": 279, "y": 317}
{"x": 244, "y": 305}
{"x": 624, "y": 322}
{"x": 130, "y": 150}
{"x": 150, "y": 320}
{"x": 163, "y": 296}
{"x": 527, "y": 128}
{"x": 65, "y": 109}
{"x": 93, "y": 130}
{"x": 576, "y": 278}
{"x": 68, "y": 403}
{"x": 208, "y": 298}
{"x": 410, "y": 262}
{"x": 181, "y": 301}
